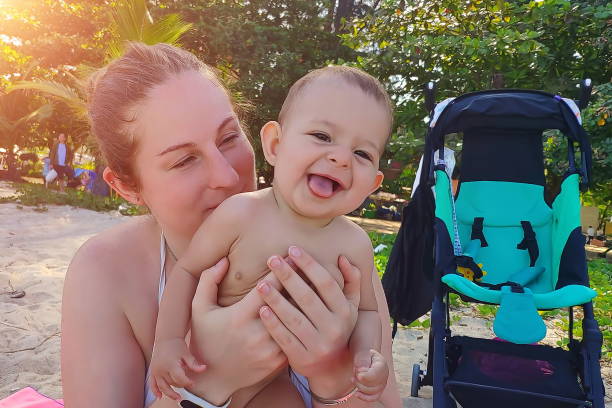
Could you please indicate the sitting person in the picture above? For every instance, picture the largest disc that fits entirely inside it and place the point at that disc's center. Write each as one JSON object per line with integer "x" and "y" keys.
{"x": 157, "y": 99}
{"x": 325, "y": 150}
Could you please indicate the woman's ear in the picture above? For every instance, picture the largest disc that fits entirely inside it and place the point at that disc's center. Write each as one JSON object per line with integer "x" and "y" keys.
{"x": 377, "y": 181}
{"x": 270, "y": 137}
{"x": 125, "y": 191}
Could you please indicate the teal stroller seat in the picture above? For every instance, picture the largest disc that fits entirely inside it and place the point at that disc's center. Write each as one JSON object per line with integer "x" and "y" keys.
{"x": 497, "y": 241}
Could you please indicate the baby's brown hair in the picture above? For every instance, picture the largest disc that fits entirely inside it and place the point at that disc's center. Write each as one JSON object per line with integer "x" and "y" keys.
{"x": 354, "y": 76}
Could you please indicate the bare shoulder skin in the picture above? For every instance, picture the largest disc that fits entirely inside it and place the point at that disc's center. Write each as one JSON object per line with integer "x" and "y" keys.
{"x": 108, "y": 316}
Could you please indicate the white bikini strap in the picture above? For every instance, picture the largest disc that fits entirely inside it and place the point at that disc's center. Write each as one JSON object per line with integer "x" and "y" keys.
{"x": 162, "y": 274}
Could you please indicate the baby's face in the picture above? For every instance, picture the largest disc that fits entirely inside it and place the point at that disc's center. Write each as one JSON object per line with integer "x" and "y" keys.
{"x": 331, "y": 143}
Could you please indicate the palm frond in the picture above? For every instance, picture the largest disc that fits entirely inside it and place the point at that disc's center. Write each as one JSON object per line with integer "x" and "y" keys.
{"x": 167, "y": 30}
{"x": 62, "y": 92}
{"x": 133, "y": 22}
{"x": 42, "y": 113}
{"x": 5, "y": 125}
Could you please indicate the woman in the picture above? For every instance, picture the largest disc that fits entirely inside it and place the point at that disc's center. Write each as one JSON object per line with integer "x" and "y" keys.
{"x": 173, "y": 142}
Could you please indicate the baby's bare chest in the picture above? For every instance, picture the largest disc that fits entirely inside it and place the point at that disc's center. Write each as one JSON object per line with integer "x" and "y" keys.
{"x": 249, "y": 254}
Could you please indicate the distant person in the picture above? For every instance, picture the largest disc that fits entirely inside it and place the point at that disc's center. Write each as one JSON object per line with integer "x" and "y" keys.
{"x": 61, "y": 157}
{"x": 590, "y": 234}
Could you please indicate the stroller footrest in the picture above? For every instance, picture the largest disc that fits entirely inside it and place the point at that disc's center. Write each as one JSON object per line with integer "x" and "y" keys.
{"x": 570, "y": 295}
{"x": 517, "y": 319}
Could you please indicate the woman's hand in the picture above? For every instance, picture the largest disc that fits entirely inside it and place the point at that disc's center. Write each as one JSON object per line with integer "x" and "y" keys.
{"x": 231, "y": 341}
{"x": 315, "y": 336}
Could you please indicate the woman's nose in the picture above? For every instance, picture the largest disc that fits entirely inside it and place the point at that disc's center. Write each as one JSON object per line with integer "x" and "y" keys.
{"x": 221, "y": 174}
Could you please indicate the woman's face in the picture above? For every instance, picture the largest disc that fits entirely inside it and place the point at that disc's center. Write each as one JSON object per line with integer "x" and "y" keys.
{"x": 192, "y": 153}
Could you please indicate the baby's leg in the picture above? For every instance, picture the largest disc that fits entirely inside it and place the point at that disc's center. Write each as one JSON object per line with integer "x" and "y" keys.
{"x": 279, "y": 393}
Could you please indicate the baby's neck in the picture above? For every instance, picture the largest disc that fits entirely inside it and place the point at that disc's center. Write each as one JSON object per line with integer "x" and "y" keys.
{"x": 290, "y": 213}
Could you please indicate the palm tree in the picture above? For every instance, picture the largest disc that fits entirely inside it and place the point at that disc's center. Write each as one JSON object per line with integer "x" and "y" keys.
{"x": 130, "y": 21}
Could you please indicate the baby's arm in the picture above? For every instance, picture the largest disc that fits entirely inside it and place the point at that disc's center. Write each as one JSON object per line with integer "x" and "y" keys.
{"x": 211, "y": 242}
{"x": 371, "y": 370}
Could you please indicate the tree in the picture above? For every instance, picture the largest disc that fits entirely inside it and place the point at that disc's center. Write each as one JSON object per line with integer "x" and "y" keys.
{"x": 130, "y": 21}
{"x": 17, "y": 113}
{"x": 549, "y": 45}
{"x": 262, "y": 47}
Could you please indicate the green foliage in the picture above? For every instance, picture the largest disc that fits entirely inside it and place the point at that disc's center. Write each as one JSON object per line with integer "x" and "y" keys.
{"x": 549, "y": 45}
{"x": 261, "y": 48}
{"x": 36, "y": 195}
{"x": 381, "y": 258}
{"x": 132, "y": 21}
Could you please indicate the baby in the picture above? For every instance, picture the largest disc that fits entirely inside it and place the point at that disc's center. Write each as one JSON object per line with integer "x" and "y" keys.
{"x": 325, "y": 150}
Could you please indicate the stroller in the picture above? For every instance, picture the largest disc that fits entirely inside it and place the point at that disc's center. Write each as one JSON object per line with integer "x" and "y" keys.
{"x": 496, "y": 241}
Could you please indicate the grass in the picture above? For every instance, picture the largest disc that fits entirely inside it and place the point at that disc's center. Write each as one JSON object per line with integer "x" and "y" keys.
{"x": 600, "y": 273}
{"x": 37, "y": 196}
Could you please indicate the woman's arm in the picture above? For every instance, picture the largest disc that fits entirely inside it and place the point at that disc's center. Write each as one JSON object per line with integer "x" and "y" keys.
{"x": 102, "y": 363}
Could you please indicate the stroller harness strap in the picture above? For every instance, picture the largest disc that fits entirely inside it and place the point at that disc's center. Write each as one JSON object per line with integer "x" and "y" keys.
{"x": 529, "y": 242}
{"x": 477, "y": 231}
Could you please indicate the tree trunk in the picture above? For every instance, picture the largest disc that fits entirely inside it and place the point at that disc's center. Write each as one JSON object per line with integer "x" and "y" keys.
{"x": 344, "y": 10}
{"x": 330, "y": 15}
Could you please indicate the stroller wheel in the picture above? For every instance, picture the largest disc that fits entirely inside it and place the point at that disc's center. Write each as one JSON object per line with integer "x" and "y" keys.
{"x": 416, "y": 380}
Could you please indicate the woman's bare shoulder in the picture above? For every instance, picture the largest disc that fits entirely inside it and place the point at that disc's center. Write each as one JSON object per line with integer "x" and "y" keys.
{"x": 112, "y": 251}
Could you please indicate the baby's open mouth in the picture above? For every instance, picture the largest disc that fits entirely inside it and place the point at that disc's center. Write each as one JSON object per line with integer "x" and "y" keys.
{"x": 323, "y": 186}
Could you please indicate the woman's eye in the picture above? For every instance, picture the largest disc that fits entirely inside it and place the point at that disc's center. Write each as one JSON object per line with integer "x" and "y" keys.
{"x": 363, "y": 154}
{"x": 184, "y": 162}
{"x": 321, "y": 136}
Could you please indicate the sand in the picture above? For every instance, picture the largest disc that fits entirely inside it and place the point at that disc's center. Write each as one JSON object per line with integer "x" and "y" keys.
{"x": 35, "y": 250}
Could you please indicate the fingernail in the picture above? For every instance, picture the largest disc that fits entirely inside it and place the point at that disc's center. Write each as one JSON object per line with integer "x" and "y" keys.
{"x": 295, "y": 251}
{"x": 263, "y": 287}
{"x": 264, "y": 312}
{"x": 274, "y": 262}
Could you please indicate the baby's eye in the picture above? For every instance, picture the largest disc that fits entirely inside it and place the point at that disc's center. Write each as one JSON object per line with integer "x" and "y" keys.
{"x": 229, "y": 138}
{"x": 363, "y": 154}
{"x": 321, "y": 136}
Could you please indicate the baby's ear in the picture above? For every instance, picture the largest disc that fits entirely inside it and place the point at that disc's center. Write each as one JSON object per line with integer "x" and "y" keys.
{"x": 377, "y": 181}
{"x": 270, "y": 137}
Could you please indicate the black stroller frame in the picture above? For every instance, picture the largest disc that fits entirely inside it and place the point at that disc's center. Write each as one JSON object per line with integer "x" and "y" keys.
{"x": 449, "y": 355}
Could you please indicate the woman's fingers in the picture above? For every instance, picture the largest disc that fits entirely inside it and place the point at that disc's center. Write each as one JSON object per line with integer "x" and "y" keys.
{"x": 290, "y": 317}
{"x": 302, "y": 294}
{"x": 252, "y": 301}
{"x": 285, "y": 339}
{"x": 327, "y": 287}
{"x": 205, "y": 297}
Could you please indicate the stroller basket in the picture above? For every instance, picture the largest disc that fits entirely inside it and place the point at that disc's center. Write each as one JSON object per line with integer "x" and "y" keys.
{"x": 508, "y": 375}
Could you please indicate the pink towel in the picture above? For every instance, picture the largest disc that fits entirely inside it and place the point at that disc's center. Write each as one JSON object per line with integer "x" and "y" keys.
{"x": 29, "y": 398}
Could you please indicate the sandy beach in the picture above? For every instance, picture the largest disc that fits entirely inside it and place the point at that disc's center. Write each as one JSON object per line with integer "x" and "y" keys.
{"x": 35, "y": 250}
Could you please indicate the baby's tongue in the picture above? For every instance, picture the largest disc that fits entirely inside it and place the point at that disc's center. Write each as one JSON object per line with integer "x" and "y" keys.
{"x": 321, "y": 186}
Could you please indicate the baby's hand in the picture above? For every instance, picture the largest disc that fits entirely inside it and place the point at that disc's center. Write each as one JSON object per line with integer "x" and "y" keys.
{"x": 168, "y": 363}
{"x": 371, "y": 373}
